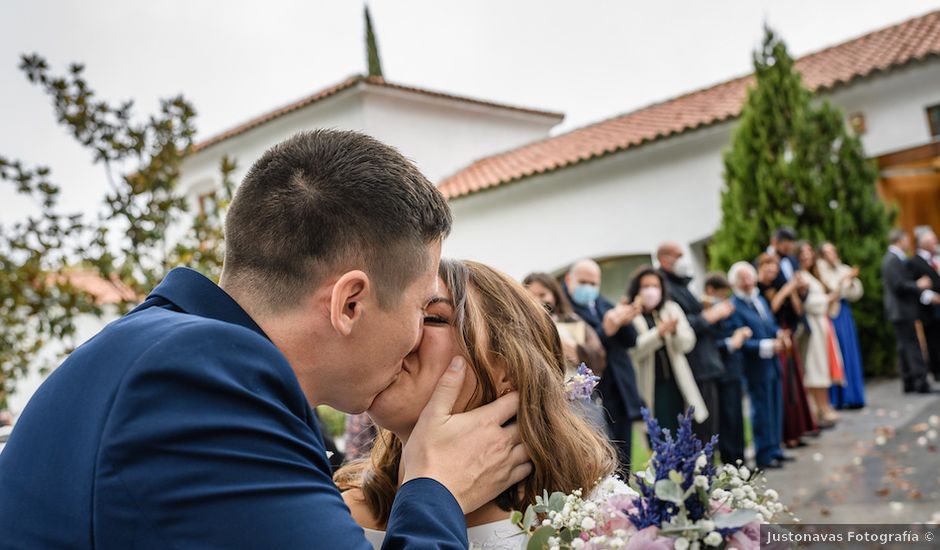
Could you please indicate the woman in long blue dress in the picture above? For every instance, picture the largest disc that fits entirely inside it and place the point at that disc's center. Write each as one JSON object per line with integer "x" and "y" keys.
{"x": 838, "y": 276}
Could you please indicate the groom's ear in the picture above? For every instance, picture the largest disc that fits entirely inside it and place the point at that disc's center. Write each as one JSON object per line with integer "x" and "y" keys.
{"x": 350, "y": 291}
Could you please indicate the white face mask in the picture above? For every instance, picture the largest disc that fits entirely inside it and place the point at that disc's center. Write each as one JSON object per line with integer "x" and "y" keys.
{"x": 682, "y": 267}
{"x": 651, "y": 296}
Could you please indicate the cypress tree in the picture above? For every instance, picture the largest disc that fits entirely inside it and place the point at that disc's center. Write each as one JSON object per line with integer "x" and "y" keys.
{"x": 793, "y": 161}
{"x": 372, "y": 48}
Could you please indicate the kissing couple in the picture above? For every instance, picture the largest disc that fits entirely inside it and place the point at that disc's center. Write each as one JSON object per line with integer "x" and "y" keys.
{"x": 188, "y": 423}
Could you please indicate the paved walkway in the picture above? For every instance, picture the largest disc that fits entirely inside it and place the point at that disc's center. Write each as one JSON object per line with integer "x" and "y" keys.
{"x": 879, "y": 465}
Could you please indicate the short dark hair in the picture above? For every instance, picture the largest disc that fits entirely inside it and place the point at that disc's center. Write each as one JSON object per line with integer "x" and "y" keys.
{"x": 634, "y": 286}
{"x": 326, "y": 200}
{"x": 717, "y": 280}
{"x": 785, "y": 233}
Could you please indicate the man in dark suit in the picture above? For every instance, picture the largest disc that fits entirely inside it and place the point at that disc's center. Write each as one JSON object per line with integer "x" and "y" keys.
{"x": 782, "y": 244}
{"x": 613, "y": 325}
{"x": 902, "y": 294}
{"x": 924, "y": 263}
{"x": 730, "y": 335}
{"x": 761, "y": 364}
{"x": 704, "y": 359}
{"x": 188, "y": 422}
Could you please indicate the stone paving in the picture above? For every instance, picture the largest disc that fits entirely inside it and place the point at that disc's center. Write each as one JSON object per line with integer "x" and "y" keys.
{"x": 880, "y": 464}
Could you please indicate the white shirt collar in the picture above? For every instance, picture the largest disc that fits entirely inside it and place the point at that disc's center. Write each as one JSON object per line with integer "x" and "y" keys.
{"x": 897, "y": 252}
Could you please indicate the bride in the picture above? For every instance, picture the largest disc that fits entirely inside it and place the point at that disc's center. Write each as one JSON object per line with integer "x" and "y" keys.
{"x": 511, "y": 343}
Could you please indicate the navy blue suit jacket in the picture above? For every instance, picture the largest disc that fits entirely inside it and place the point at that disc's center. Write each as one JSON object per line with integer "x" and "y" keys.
{"x": 745, "y": 314}
{"x": 618, "y": 383}
{"x": 733, "y": 360}
{"x": 182, "y": 426}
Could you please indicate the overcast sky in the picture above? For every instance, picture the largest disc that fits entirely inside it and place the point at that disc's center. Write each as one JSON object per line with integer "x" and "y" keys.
{"x": 236, "y": 59}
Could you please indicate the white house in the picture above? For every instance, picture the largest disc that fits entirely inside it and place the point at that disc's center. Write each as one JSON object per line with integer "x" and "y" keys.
{"x": 615, "y": 189}
{"x": 439, "y": 132}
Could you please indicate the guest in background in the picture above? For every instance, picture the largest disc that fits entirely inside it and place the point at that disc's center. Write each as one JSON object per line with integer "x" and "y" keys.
{"x": 822, "y": 359}
{"x": 730, "y": 336}
{"x": 704, "y": 359}
{"x": 925, "y": 264}
{"x": 843, "y": 279}
{"x": 359, "y": 437}
{"x": 782, "y": 244}
{"x": 787, "y": 309}
{"x": 579, "y": 342}
{"x": 761, "y": 365}
{"x": 663, "y": 337}
{"x": 613, "y": 324}
{"x": 902, "y": 294}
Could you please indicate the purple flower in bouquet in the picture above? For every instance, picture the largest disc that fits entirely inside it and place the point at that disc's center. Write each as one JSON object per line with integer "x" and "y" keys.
{"x": 581, "y": 386}
{"x": 679, "y": 454}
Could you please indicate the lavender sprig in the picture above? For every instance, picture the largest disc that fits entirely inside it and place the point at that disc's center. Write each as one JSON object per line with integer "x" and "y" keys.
{"x": 581, "y": 386}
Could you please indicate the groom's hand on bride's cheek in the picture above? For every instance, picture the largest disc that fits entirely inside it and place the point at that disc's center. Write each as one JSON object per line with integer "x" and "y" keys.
{"x": 477, "y": 454}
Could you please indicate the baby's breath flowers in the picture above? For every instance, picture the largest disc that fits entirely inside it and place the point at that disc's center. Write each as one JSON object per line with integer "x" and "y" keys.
{"x": 681, "y": 501}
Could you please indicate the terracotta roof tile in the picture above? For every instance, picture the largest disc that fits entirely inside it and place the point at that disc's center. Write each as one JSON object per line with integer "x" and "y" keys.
{"x": 896, "y": 46}
{"x": 345, "y": 85}
{"x": 101, "y": 290}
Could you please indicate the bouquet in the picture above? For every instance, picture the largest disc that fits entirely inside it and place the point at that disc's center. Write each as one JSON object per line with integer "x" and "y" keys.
{"x": 681, "y": 501}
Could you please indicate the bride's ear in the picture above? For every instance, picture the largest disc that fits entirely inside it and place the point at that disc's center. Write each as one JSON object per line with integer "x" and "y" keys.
{"x": 501, "y": 379}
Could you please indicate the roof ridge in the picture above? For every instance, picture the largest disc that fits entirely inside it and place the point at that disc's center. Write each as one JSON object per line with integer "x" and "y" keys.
{"x": 345, "y": 84}
{"x": 625, "y": 141}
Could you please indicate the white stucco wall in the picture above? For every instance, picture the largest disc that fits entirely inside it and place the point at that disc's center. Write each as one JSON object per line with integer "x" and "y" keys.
{"x": 200, "y": 172}
{"x": 623, "y": 204}
{"x": 894, "y": 105}
{"x": 441, "y": 135}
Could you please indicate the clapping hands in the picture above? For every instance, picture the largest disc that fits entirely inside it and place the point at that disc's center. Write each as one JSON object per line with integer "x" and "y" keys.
{"x": 667, "y": 326}
{"x": 619, "y": 316}
{"x": 739, "y": 336}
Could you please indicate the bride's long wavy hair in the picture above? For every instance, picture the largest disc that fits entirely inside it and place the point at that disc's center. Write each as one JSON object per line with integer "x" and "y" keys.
{"x": 497, "y": 321}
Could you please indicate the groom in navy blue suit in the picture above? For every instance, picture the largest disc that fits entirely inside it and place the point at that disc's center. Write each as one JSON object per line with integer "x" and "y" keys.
{"x": 188, "y": 422}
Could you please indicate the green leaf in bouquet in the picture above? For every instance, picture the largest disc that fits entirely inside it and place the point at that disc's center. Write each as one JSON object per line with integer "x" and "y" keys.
{"x": 632, "y": 483}
{"x": 529, "y": 518}
{"x": 676, "y": 477}
{"x": 735, "y": 519}
{"x": 557, "y": 501}
{"x": 540, "y": 538}
{"x": 669, "y": 490}
{"x": 516, "y": 519}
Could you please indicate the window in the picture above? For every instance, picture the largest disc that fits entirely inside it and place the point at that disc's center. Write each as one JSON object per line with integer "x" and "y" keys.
{"x": 933, "y": 118}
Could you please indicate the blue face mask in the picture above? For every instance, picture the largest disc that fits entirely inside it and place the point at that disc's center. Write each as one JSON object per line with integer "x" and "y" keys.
{"x": 583, "y": 295}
